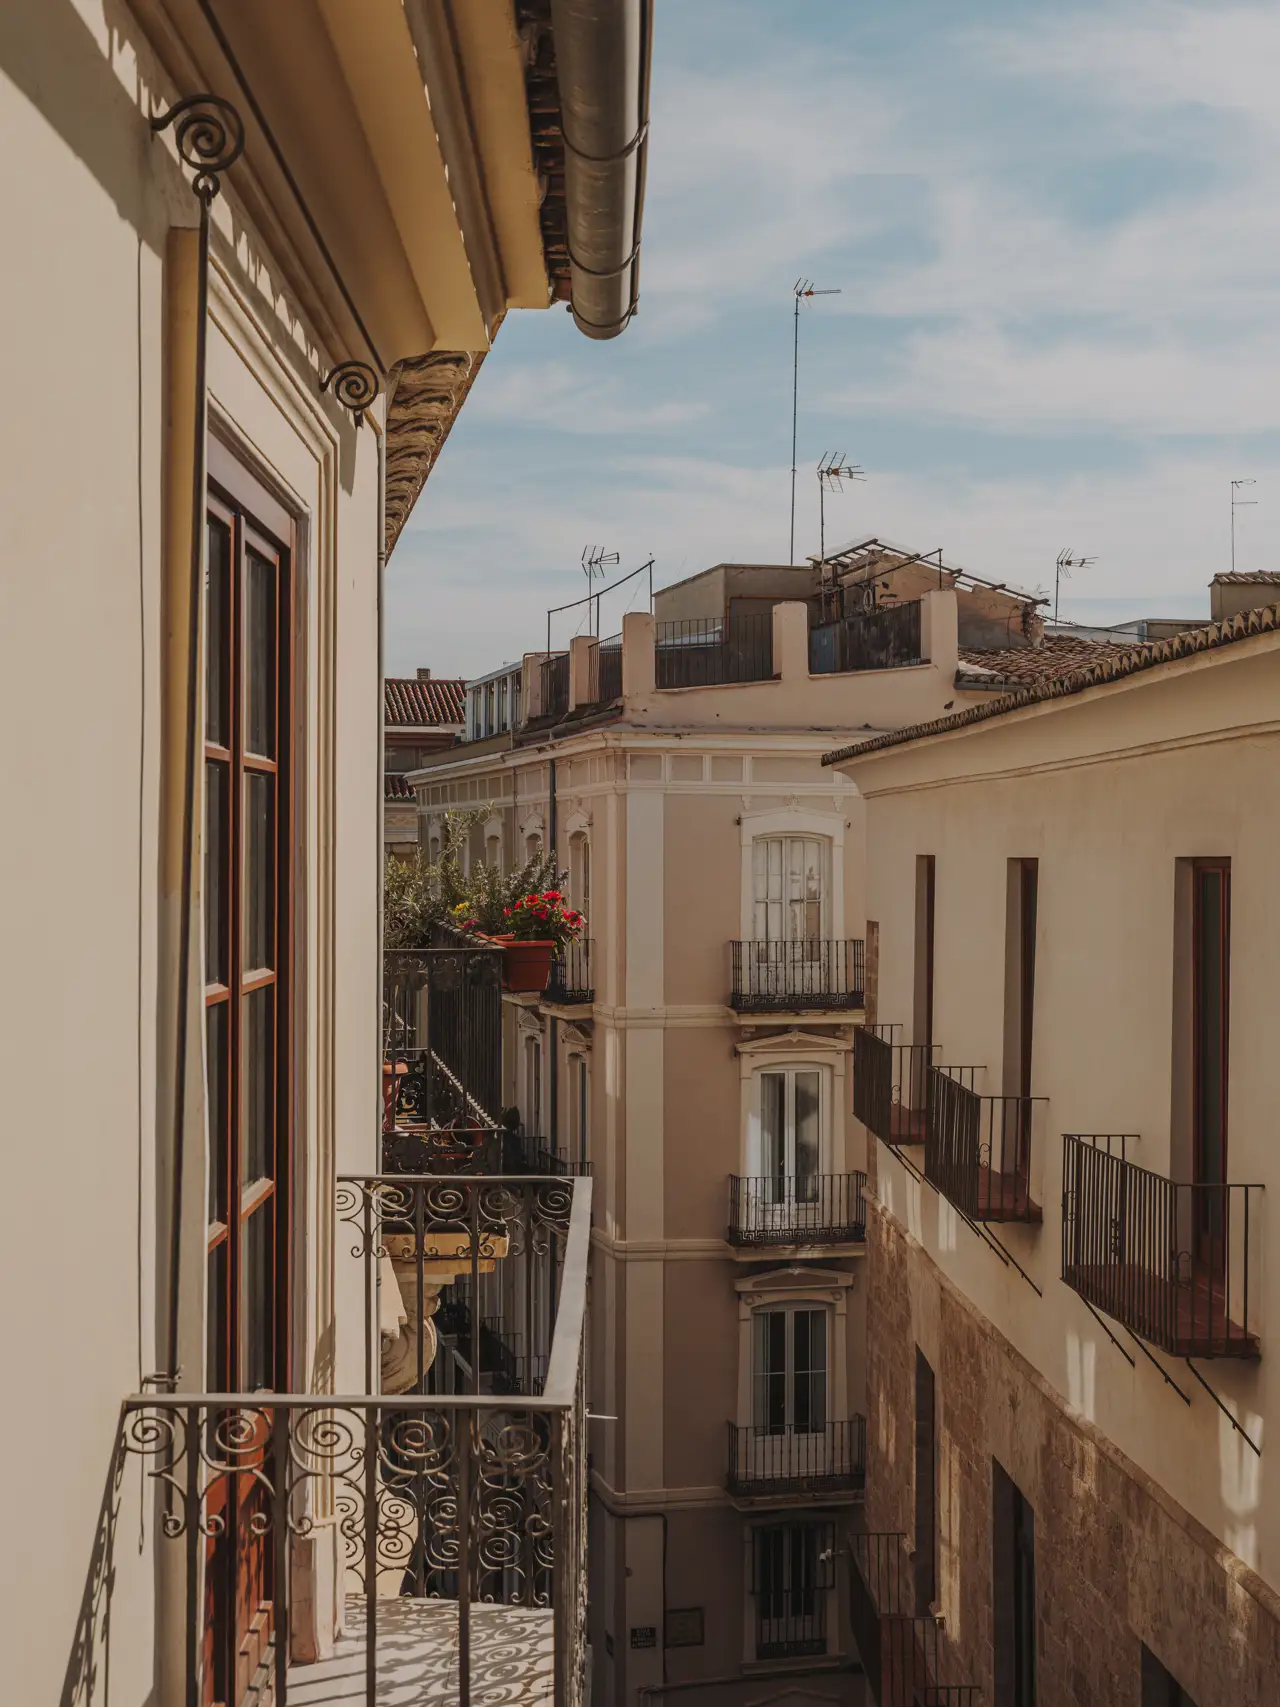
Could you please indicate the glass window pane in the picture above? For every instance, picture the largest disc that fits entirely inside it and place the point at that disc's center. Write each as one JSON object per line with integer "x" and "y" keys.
{"x": 258, "y": 947}
{"x": 217, "y": 721}
{"x": 257, "y": 1086}
{"x": 217, "y": 1379}
{"x": 217, "y": 828}
{"x": 260, "y": 655}
{"x": 808, "y": 1108}
{"x": 217, "y": 1038}
{"x": 773, "y": 1138}
{"x": 257, "y": 1299}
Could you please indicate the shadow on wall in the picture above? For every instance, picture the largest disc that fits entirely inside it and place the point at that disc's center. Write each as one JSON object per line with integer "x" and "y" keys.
{"x": 88, "y": 1666}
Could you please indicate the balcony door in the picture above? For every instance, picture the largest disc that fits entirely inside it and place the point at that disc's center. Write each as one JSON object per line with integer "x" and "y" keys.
{"x": 789, "y": 1393}
{"x": 790, "y": 1144}
{"x": 1211, "y": 980}
{"x": 790, "y": 914}
{"x": 247, "y": 913}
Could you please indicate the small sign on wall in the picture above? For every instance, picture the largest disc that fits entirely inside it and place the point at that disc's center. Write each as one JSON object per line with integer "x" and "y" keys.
{"x": 644, "y": 1635}
{"x": 685, "y": 1627}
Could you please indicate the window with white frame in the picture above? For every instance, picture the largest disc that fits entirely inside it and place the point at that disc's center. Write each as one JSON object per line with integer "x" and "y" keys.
{"x": 788, "y": 1133}
{"x": 533, "y": 1084}
{"x": 790, "y": 1374}
{"x": 790, "y": 881}
{"x": 793, "y": 1572}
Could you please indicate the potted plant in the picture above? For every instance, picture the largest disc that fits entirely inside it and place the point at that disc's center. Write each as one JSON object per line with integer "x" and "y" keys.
{"x": 540, "y": 923}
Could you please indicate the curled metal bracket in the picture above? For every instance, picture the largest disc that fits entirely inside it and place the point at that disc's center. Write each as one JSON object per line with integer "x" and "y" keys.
{"x": 355, "y": 385}
{"x": 210, "y": 136}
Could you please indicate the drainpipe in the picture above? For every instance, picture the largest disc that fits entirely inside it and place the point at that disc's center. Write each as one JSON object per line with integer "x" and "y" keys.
{"x": 553, "y": 1065}
{"x": 602, "y": 68}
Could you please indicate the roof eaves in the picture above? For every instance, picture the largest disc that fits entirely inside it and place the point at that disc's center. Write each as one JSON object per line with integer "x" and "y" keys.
{"x": 1127, "y": 662}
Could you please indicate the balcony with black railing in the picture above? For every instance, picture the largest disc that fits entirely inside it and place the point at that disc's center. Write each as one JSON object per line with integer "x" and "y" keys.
{"x": 571, "y": 983}
{"x": 816, "y": 975}
{"x": 983, "y": 1152}
{"x": 900, "y": 1648}
{"x": 1178, "y": 1264}
{"x": 451, "y": 1506}
{"x": 554, "y": 672}
{"x": 789, "y": 1463}
{"x": 606, "y": 671}
{"x": 702, "y": 652}
{"x": 891, "y": 1083}
{"x": 882, "y": 639}
{"x": 797, "y": 1209}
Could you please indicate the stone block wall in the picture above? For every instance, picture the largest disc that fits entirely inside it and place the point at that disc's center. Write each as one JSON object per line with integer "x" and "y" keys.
{"x": 1118, "y": 1563}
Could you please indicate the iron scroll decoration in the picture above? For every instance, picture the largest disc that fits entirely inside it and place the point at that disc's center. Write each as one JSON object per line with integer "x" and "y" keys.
{"x": 210, "y": 136}
{"x": 355, "y": 385}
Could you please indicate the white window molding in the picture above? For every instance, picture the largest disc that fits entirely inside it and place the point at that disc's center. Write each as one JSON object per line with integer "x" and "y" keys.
{"x": 796, "y": 819}
{"x": 794, "y": 1051}
{"x": 817, "y": 1288}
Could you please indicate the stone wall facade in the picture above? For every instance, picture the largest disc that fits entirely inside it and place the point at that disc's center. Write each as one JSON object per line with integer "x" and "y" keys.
{"x": 1118, "y": 1563}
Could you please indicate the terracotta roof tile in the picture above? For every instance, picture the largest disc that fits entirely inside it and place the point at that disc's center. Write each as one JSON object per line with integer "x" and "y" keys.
{"x": 412, "y": 703}
{"x": 1119, "y": 662}
{"x": 1014, "y": 667}
{"x": 395, "y": 786}
{"x": 1249, "y": 577}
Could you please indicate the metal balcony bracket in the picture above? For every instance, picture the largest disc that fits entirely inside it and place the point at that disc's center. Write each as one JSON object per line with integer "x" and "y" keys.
{"x": 355, "y": 385}
{"x": 989, "y": 1239}
{"x": 1101, "y": 1321}
{"x": 210, "y": 137}
{"x": 1154, "y": 1360}
{"x": 1248, "y": 1439}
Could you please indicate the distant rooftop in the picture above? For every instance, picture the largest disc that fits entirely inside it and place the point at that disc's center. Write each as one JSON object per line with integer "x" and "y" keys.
{"x": 423, "y": 701}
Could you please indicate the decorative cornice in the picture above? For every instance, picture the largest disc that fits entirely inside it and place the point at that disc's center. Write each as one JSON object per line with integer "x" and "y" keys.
{"x": 424, "y": 395}
{"x": 1130, "y": 662}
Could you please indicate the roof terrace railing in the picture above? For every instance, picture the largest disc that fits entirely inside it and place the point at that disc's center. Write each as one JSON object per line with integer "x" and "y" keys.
{"x": 709, "y": 651}
{"x": 882, "y": 639}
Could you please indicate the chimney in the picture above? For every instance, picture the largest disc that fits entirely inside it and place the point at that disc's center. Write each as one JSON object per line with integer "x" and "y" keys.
{"x": 423, "y": 675}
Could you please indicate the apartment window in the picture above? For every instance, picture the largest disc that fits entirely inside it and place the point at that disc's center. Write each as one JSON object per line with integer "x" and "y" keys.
{"x": 789, "y": 875}
{"x": 1014, "y": 1592}
{"x": 580, "y": 873}
{"x": 248, "y": 907}
{"x": 790, "y": 1134}
{"x": 1023, "y": 895}
{"x": 1210, "y": 996}
{"x": 533, "y": 1084}
{"x": 790, "y": 1374}
{"x": 926, "y": 1475}
{"x": 923, "y": 995}
{"x": 1159, "y": 1687}
{"x": 793, "y": 1571}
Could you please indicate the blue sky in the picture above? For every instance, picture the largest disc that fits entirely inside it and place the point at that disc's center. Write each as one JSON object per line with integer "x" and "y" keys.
{"x": 1054, "y": 231}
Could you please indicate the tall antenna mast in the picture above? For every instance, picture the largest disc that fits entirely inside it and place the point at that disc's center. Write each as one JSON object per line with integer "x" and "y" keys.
{"x": 1062, "y": 572}
{"x": 1238, "y": 504}
{"x": 833, "y": 472}
{"x": 802, "y": 290}
{"x": 595, "y": 560}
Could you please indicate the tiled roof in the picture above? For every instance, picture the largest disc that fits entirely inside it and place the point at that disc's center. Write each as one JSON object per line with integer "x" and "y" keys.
{"x": 1250, "y": 577}
{"x": 414, "y": 703}
{"x": 396, "y": 786}
{"x": 1013, "y": 667}
{"x": 1118, "y": 662}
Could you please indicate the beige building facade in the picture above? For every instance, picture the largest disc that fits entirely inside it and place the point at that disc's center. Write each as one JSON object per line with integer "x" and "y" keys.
{"x": 253, "y": 257}
{"x": 694, "y": 1053}
{"x": 1064, "y": 1081}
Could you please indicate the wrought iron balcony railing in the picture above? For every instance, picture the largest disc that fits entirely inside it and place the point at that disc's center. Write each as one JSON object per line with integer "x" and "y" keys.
{"x": 442, "y": 1034}
{"x": 872, "y": 640}
{"x": 979, "y": 1150}
{"x": 778, "y": 1463}
{"x": 708, "y": 651}
{"x": 571, "y": 981}
{"x": 793, "y": 976}
{"x": 456, "y": 1520}
{"x": 792, "y": 1575}
{"x": 1175, "y": 1263}
{"x": 900, "y": 1648}
{"x": 555, "y": 685}
{"x": 606, "y": 671}
{"x": 891, "y": 1083}
{"x": 797, "y": 1209}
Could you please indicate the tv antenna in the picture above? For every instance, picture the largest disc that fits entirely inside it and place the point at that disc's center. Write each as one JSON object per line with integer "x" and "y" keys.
{"x": 833, "y": 475}
{"x": 1238, "y": 504}
{"x": 802, "y": 290}
{"x": 1062, "y": 572}
{"x": 596, "y": 561}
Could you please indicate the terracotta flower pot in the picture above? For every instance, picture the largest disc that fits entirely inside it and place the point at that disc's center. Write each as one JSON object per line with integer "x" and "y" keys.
{"x": 526, "y": 966}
